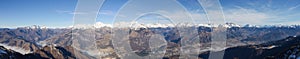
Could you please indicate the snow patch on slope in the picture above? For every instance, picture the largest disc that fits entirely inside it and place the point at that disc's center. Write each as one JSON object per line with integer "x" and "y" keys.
{"x": 17, "y": 49}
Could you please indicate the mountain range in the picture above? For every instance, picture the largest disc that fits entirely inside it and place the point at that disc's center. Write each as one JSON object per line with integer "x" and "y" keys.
{"x": 58, "y": 43}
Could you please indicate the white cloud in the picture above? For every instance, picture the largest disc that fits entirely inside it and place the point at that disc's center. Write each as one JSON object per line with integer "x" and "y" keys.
{"x": 70, "y": 12}
{"x": 62, "y": 11}
{"x": 294, "y": 7}
{"x": 78, "y": 13}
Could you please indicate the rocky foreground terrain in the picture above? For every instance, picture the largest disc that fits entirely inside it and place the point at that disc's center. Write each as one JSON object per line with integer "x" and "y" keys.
{"x": 243, "y": 42}
{"x": 287, "y": 48}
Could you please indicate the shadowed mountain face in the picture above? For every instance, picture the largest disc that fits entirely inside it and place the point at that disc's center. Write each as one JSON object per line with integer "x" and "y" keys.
{"x": 47, "y": 52}
{"x": 288, "y": 48}
{"x": 57, "y": 43}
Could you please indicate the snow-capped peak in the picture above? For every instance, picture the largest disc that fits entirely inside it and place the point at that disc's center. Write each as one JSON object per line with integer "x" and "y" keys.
{"x": 100, "y": 24}
{"x": 83, "y": 26}
{"x": 35, "y": 27}
{"x": 155, "y": 25}
{"x": 205, "y": 25}
{"x": 229, "y": 25}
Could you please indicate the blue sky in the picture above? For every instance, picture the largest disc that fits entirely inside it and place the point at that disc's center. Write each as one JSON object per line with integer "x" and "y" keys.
{"x": 59, "y": 13}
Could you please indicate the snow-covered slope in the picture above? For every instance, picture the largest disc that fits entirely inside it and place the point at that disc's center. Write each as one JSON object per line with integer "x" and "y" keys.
{"x": 17, "y": 49}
